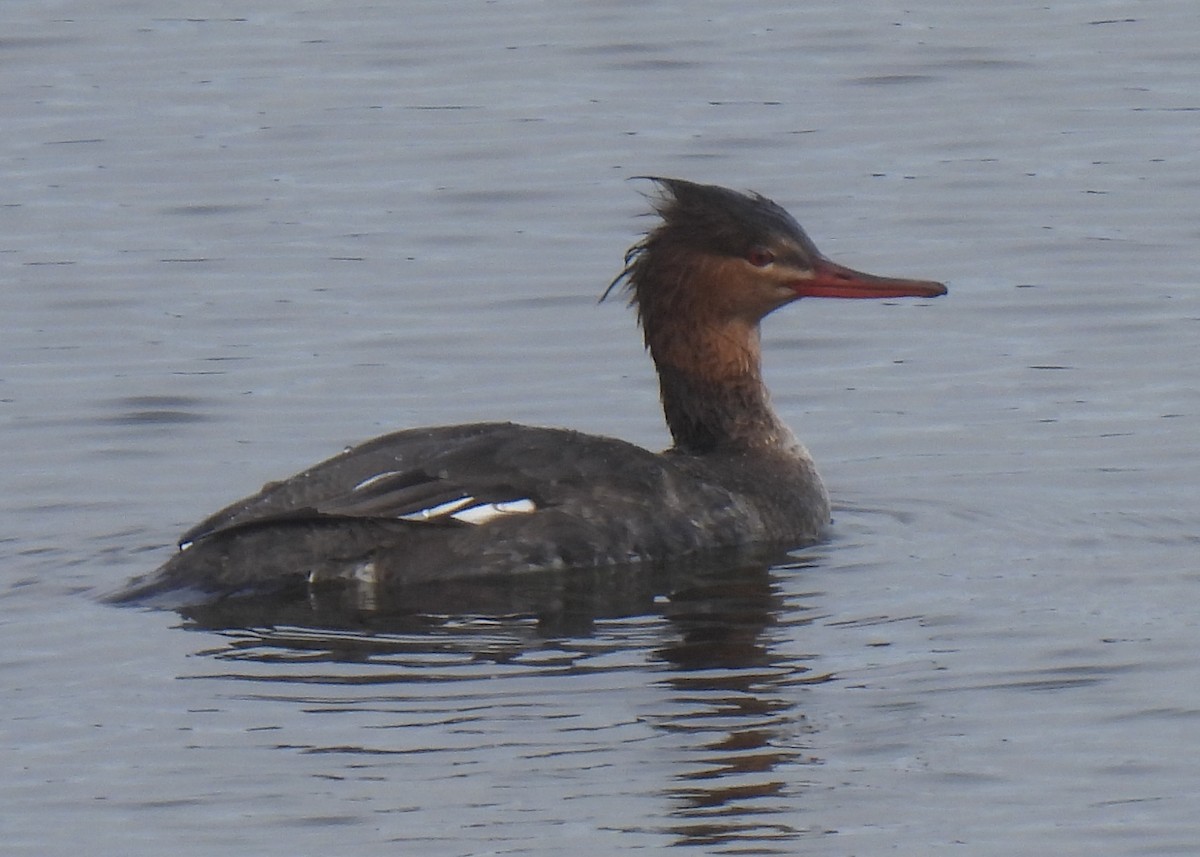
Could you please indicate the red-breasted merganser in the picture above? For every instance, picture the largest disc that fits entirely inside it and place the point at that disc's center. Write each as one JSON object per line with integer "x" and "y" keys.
{"x": 489, "y": 499}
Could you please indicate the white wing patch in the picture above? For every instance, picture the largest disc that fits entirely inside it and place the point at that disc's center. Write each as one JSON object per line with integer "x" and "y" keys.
{"x": 481, "y": 513}
{"x": 466, "y": 509}
{"x": 370, "y": 480}
{"x": 471, "y": 511}
{"x": 438, "y": 511}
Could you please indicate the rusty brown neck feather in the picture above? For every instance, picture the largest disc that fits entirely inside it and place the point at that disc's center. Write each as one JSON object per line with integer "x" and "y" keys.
{"x": 709, "y": 361}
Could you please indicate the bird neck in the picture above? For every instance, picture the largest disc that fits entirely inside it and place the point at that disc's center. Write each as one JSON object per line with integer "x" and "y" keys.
{"x": 713, "y": 396}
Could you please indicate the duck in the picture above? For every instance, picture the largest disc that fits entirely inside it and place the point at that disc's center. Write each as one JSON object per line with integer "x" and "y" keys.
{"x": 494, "y": 499}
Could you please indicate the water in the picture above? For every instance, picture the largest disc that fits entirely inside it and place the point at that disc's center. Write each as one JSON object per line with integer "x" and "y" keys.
{"x": 235, "y": 242}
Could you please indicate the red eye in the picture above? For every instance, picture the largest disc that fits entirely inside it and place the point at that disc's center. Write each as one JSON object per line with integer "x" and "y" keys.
{"x": 759, "y": 257}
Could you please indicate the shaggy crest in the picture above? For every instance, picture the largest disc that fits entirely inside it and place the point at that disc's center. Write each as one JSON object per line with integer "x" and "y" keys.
{"x": 709, "y": 220}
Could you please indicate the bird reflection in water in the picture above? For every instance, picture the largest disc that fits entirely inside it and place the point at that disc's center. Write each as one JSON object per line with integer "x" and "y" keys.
{"x": 717, "y": 637}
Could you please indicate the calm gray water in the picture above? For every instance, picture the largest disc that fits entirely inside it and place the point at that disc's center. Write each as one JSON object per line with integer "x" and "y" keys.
{"x": 234, "y": 242}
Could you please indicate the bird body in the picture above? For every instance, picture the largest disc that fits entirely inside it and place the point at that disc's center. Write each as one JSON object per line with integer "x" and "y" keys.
{"x": 487, "y": 499}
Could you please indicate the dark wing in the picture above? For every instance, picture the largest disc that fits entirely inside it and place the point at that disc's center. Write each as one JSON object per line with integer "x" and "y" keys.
{"x": 451, "y": 476}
